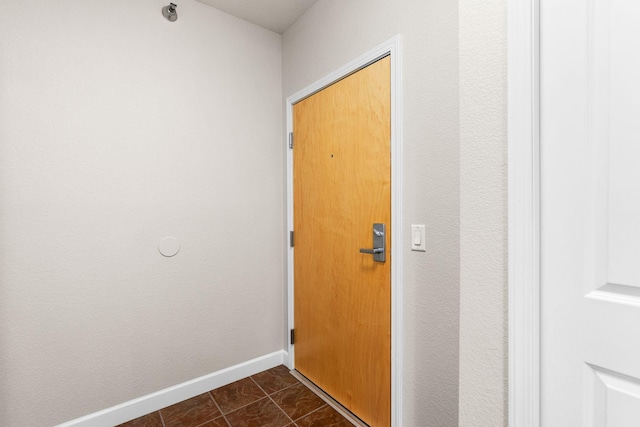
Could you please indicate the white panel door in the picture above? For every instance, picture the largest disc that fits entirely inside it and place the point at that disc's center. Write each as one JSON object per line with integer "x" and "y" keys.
{"x": 590, "y": 212}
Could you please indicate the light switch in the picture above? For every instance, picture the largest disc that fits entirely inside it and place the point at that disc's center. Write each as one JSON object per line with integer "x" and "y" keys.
{"x": 417, "y": 238}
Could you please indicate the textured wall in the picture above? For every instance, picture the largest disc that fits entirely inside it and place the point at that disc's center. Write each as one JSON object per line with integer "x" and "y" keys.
{"x": 118, "y": 128}
{"x": 329, "y": 35}
{"x": 483, "y": 214}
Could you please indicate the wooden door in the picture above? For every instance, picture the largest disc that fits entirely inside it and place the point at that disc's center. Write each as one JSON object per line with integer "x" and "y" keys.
{"x": 590, "y": 213}
{"x": 342, "y": 186}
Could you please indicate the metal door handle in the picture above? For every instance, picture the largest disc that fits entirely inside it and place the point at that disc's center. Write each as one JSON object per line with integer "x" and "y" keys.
{"x": 379, "y": 243}
{"x": 372, "y": 251}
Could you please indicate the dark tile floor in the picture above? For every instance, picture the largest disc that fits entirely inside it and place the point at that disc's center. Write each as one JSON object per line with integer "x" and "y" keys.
{"x": 272, "y": 398}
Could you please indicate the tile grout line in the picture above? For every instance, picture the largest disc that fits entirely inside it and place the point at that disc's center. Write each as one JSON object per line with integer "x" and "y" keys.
{"x": 277, "y": 406}
{"x": 244, "y": 406}
{"x": 215, "y": 418}
{"x": 353, "y": 419}
{"x": 288, "y": 387}
{"x": 219, "y": 408}
{"x": 278, "y": 391}
{"x": 312, "y": 412}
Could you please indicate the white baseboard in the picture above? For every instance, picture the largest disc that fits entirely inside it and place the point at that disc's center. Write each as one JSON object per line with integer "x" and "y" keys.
{"x": 152, "y": 402}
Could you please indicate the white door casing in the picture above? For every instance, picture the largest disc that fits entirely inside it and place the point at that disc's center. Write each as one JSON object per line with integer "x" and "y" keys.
{"x": 590, "y": 213}
{"x": 524, "y": 212}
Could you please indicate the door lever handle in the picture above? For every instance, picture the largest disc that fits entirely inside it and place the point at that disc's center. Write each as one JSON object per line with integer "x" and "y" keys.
{"x": 379, "y": 243}
{"x": 372, "y": 251}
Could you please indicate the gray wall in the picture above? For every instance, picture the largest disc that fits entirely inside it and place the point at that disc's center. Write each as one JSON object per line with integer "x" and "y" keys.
{"x": 483, "y": 214}
{"x": 332, "y": 33}
{"x": 118, "y": 128}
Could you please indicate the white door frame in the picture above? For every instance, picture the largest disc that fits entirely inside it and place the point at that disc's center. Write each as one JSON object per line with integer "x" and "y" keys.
{"x": 390, "y": 47}
{"x": 524, "y": 212}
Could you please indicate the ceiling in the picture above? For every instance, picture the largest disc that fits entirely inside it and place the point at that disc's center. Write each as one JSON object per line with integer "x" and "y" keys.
{"x": 275, "y": 15}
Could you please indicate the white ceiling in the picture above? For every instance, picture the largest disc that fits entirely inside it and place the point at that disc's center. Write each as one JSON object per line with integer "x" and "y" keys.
{"x": 276, "y": 15}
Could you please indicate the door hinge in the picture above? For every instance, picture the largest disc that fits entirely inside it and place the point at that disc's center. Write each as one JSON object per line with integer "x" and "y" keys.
{"x": 291, "y": 238}
{"x": 293, "y": 341}
{"x": 291, "y": 140}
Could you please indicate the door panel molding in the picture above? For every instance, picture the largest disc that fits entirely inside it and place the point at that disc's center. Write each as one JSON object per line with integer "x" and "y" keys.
{"x": 611, "y": 398}
{"x": 391, "y": 47}
{"x": 614, "y": 205}
{"x": 523, "y": 147}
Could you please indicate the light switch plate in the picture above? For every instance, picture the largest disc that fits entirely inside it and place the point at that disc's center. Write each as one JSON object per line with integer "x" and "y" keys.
{"x": 418, "y": 238}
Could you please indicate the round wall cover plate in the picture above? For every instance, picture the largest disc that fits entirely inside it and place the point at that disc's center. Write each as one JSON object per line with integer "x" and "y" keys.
{"x": 169, "y": 246}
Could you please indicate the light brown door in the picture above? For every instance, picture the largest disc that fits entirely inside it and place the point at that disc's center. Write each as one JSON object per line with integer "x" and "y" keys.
{"x": 342, "y": 186}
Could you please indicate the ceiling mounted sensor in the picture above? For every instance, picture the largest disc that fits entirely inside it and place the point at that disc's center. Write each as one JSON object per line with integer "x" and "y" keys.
{"x": 169, "y": 12}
